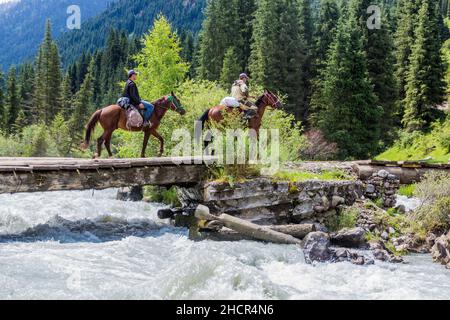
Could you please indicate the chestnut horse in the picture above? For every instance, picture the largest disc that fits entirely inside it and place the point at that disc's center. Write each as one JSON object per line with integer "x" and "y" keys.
{"x": 114, "y": 117}
{"x": 268, "y": 99}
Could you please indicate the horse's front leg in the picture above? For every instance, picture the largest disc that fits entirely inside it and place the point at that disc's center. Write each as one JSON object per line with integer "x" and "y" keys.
{"x": 144, "y": 147}
{"x": 161, "y": 141}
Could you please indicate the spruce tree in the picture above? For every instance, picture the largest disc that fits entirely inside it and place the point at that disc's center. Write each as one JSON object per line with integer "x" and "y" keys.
{"x": 407, "y": 11}
{"x": 346, "y": 106}
{"x": 2, "y": 103}
{"x": 379, "y": 50}
{"x": 228, "y": 23}
{"x": 47, "y": 95}
{"x": 26, "y": 90}
{"x": 67, "y": 96}
{"x": 230, "y": 69}
{"x": 278, "y": 52}
{"x": 325, "y": 31}
{"x": 12, "y": 100}
{"x": 425, "y": 85}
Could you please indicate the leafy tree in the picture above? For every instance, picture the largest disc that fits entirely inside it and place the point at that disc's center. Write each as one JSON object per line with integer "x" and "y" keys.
{"x": 425, "y": 85}
{"x": 161, "y": 68}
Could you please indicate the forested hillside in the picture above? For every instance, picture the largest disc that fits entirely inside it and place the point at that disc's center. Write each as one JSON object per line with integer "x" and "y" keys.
{"x": 134, "y": 17}
{"x": 358, "y": 89}
{"x": 22, "y": 24}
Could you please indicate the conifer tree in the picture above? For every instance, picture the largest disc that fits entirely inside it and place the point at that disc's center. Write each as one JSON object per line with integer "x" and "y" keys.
{"x": 26, "y": 89}
{"x": 67, "y": 96}
{"x": 160, "y": 66}
{"x": 425, "y": 85}
{"x": 325, "y": 30}
{"x": 12, "y": 100}
{"x": 47, "y": 96}
{"x": 2, "y": 102}
{"x": 278, "y": 52}
{"x": 230, "y": 69}
{"x": 407, "y": 11}
{"x": 347, "y": 110}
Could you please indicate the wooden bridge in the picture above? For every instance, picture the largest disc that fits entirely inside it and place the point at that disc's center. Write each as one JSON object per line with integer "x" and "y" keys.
{"x": 57, "y": 174}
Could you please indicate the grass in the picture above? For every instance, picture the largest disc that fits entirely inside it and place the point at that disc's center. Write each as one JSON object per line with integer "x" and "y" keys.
{"x": 346, "y": 220}
{"x": 408, "y": 190}
{"x": 431, "y": 147}
{"x": 296, "y": 176}
{"x": 160, "y": 195}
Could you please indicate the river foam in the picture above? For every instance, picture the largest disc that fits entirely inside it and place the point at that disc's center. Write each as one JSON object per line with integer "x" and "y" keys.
{"x": 75, "y": 245}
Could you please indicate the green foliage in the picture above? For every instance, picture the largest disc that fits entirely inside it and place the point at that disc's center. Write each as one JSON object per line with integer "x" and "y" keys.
{"x": 346, "y": 106}
{"x": 425, "y": 85}
{"x": 278, "y": 52}
{"x": 295, "y": 176}
{"x": 345, "y": 219}
{"x": 407, "y": 190}
{"x": 434, "y": 191}
{"x": 231, "y": 68}
{"x": 162, "y": 195}
{"x": 433, "y": 146}
{"x": 160, "y": 66}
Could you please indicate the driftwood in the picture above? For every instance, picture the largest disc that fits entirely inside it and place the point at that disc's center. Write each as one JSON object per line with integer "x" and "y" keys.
{"x": 246, "y": 228}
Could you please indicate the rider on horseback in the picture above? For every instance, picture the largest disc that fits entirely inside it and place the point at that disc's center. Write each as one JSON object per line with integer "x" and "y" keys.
{"x": 131, "y": 92}
{"x": 240, "y": 92}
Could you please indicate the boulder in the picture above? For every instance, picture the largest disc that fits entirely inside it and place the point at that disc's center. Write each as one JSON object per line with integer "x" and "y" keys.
{"x": 350, "y": 238}
{"x": 441, "y": 250}
{"x": 134, "y": 194}
{"x": 383, "y": 174}
{"x": 316, "y": 247}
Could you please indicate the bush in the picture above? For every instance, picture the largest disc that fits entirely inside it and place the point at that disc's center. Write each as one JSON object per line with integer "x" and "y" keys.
{"x": 434, "y": 191}
{"x": 318, "y": 148}
{"x": 407, "y": 190}
{"x": 346, "y": 219}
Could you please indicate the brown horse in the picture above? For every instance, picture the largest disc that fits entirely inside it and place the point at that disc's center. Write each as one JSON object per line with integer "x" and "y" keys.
{"x": 267, "y": 99}
{"x": 114, "y": 117}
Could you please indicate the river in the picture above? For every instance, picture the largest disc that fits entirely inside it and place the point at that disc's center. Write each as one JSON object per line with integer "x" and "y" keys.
{"x": 85, "y": 245}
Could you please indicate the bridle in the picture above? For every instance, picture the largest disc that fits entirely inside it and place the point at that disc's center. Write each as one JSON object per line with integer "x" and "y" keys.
{"x": 272, "y": 99}
{"x": 173, "y": 103}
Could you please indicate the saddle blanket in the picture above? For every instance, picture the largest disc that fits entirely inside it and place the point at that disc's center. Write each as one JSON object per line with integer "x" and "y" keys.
{"x": 230, "y": 102}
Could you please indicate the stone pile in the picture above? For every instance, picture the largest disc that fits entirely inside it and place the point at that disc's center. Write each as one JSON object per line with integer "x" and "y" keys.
{"x": 383, "y": 185}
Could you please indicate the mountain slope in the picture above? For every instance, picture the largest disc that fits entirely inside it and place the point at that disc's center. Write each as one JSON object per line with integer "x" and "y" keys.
{"x": 135, "y": 17}
{"x": 22, "y": 24}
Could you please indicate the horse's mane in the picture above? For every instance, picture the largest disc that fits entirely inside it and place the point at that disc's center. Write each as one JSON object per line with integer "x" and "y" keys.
{"x": 259, "y": 101}
{"x": 159, "y": 102}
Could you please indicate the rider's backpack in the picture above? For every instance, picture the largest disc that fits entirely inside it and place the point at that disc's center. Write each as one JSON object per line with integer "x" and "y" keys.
{"x": 124, "y": 103}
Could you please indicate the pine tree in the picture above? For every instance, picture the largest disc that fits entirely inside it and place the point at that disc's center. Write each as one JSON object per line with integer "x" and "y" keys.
{"x": 47, "y": 96}
{"x": 228, "y": 23}
{"x": 160, "y": 66}
{"x": 26, "y": 89}
{"x": 425, "y": 85}
{"x": 404, "y": 38}
{"x": 379, "y": 51}
{"x": 230, "y": 69}
{"x": 83, "y": 108}
{"x": 347, "y": 111}
{"x": 325, "y": 31}
{"x": 12, "y": 100}
{"x": 2, "y": 103}
{"x": 66, "y": 94}
{"x": 278, "y": 52}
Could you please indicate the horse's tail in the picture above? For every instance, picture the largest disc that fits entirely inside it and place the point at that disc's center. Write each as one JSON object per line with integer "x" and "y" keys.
{"x": 90, "y": 128}
{"x": 204, "y": 118}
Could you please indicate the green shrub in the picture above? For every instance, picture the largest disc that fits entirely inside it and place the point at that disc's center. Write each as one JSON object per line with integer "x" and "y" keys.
{"x": 162, "y": 195}
{"x": 346, "y": 219}
{"x": 407, "y": 190}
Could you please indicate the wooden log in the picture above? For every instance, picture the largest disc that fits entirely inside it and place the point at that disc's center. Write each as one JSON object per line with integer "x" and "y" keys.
{"x": 298, "y": 231}
{"x": 15, "y": 182}
{"x": 247, "y": 228}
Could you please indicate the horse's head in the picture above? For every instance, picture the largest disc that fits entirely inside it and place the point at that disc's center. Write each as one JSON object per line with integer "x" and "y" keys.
{"x": 175, "y": 104}
{"x": 272, "y": 100}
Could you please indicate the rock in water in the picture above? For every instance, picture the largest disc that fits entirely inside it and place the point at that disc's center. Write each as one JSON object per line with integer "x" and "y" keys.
{"x": 134, "y": 194}
{"x": 441, "y": 250}
{"x": 316, "y": 247}
{"x": 350, "y": 238}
